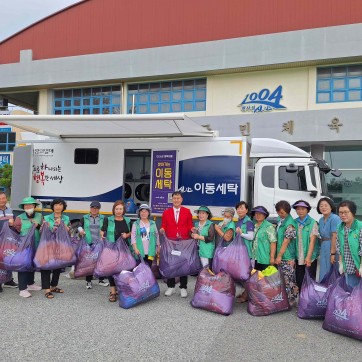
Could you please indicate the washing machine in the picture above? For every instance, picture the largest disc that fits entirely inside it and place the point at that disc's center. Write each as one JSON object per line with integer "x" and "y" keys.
{"x": 141, "y": 191}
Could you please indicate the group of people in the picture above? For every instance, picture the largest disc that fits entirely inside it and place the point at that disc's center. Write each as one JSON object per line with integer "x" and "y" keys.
{"x": 292, "y": 244}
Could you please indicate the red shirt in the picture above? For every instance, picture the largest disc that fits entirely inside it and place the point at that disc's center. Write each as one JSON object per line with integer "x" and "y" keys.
{"x": 182, "y": 228}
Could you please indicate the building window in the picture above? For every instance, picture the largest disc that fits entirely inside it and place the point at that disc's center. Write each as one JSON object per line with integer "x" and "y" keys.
{"x": 7, "y": 141}
{"x": 166, "y": 97}
{"x": 339, "y": 84}
{"x": 86, "y": 156}
{"x": 95, "y": 100}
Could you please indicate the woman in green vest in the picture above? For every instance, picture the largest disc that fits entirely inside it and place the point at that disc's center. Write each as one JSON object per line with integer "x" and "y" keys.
{"x": 306, "y": 247}
{"x": 23, "y": 224}
{"x": 265, "y": 238}
{"x": 286, "y": 234}
{"x": 50, "y": 278}
{"x": 90, "y": 227}
{"x": 115, "y": 227}
{"x": 349, "y": 243}
{"x": 226, "y": 228}
{"x": 144, "y": 235}
{"x": 204, "y": 231}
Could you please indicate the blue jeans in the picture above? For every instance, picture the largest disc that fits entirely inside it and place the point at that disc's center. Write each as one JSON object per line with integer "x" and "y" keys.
{"x": 352, "y": 280}
{"x": 325, "y": 259}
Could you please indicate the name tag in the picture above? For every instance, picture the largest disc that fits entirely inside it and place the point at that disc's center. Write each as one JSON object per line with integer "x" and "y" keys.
{"x": 318, "y": 288}
{"x": 176, "y": 252}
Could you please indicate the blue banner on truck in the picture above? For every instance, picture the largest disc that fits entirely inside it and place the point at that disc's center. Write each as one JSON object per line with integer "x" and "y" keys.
{"x": 210, "y": 180}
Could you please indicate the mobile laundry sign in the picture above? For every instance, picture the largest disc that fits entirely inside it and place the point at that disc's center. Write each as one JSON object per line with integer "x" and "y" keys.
{"x": 4, "y": 159}
{"x": 263, "y": 101}
{"x": 163, "y": 179}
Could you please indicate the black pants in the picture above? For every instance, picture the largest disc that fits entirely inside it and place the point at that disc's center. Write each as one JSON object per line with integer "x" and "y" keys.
{"x": 300, "y": 272}
{"x": 25, "y": 279}
{"x": 171, "y": 283}
{"x": 46, "y": 282}
{"x": 111, "y": 282}
{"x": 89, "y": 278}
{"x": 259, "y": 266}
{"x": 148, "y": 261}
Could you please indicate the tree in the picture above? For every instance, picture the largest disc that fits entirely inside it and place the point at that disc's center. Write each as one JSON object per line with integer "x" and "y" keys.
{"x": 6, "y": 172}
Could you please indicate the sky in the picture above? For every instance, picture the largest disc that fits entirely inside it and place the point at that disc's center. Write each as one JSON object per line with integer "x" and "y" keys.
{"x": 18, "y": 14}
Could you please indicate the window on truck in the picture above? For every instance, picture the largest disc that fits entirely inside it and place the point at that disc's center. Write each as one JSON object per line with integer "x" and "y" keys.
{"x": 267, "y": 176}
{"x": 293, "y": 180}
{"x": 86, "y": 156}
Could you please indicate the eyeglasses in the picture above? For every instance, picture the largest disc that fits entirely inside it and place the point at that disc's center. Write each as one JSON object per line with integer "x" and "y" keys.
{"x": 344, "y": 212}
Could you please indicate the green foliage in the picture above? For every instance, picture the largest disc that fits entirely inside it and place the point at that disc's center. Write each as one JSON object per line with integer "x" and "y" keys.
{"x": 6, "y": 175}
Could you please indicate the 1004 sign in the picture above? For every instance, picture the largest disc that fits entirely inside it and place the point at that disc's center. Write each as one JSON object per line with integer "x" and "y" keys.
{"x": 263, "y": 101}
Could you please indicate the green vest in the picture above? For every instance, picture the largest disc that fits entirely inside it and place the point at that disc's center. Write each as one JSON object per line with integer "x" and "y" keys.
{"x": 230, "y": 225}
{"x": 88, "y": 235}
{"x": 50, "y": 219}
{"x": 262, "y": 253}
{"x": 26, "y": 225}
{"x": 306, "y": 231}
{"x": 290, "y": 251}
{"x": 248, "y": 243}
{"x": 206, "y": 250}
{"x": 152, "y": 241}
{"x": 353, "y": 242}
{"x": 111, "y": 227}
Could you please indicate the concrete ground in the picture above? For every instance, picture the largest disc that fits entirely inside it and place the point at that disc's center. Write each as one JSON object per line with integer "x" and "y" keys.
{"x": 81, "y": 325}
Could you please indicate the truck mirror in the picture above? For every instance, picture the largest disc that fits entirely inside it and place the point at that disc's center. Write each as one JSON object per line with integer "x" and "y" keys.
{"x": 336, "y": 173}
{"x": 291, "y": 168}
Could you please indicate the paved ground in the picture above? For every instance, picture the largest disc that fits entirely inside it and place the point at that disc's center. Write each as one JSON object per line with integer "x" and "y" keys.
{"x": 81, "y": 325}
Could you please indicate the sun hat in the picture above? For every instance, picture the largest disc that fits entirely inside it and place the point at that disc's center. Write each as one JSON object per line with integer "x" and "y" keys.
{"x": 260, "y": 209}
{"x": 205, "y": 209}
{"x": 301, "y": 203}
{"x": 144, "y": 207}
{"x": 230, "y": 210}
{"x": 28, "y": 201}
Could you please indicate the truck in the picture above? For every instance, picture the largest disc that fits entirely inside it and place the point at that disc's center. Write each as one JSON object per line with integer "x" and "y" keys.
{"x": 143, "y": 159}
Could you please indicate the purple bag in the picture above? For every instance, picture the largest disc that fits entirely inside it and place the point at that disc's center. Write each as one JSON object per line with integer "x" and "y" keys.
{"x": 16, "y": 252}
{"x": 214, "y": 293}
{"x": 344, "y": 309}
{"x": 179, "y": 258}
{"x": 313, "y": 296}
{"x": 267, "y": 295}
{"x": 233, "y": 259}
{"x": 114, "y": 258}
{"x": 137, "y": 286}
{"x": 56, "y": 250}
{"x": 5, "y": 276}
{"x": 87, "y": 257}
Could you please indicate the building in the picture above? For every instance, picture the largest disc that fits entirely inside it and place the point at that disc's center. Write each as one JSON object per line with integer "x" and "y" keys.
{"x": 277, "y": 69}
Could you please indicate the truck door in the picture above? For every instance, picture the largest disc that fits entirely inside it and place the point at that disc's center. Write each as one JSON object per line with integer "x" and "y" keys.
{"x": 264, "y": 185}
{"x": 22, "y": 174}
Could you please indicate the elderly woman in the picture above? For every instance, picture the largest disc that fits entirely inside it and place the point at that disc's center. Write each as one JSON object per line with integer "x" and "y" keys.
{"x": 286, "y": 234}
{"x": 328, "y": 234}
{"x": 23, "y": 224}
{"x": 307, "y": 248}
{"x": 226, "y": 228}
{"x": 50, "y": 278}
{"x": 204, "y": 232}
{"x": 265, "y": 239}
{"x": 144, "y": 235}
{"x": 349, "y": 243}
{"x": 113, "y": 228}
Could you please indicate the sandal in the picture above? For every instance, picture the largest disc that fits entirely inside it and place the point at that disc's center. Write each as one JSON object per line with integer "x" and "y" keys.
{"x": 112, "y": 297}
{"x": 49, "y": 295}
{"x": 242, "y": 298}
{"x": 57, "y": 290}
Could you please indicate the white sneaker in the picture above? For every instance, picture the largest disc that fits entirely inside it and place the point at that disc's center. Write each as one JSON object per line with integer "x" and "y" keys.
{"x": 183, "y": 293}
{"x": 34, "y": 287}
{"x": 103, "y": 283}
{"x": 169, "y": 292}
{"x": 24, "y": 294}
{"x": 89, "y": 285}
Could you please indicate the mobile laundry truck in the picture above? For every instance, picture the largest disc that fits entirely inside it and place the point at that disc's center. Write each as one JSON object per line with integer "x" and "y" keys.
{"x": 144, "y": 159}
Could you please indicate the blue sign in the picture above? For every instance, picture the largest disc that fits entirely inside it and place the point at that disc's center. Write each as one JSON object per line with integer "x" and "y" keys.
{"x": 4, "y": 159}
{"x": 210, "y": 180}
{"x": 5, "y": 129}
{"x": 264, "y": 101}
{"x": 163, "y": 179}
